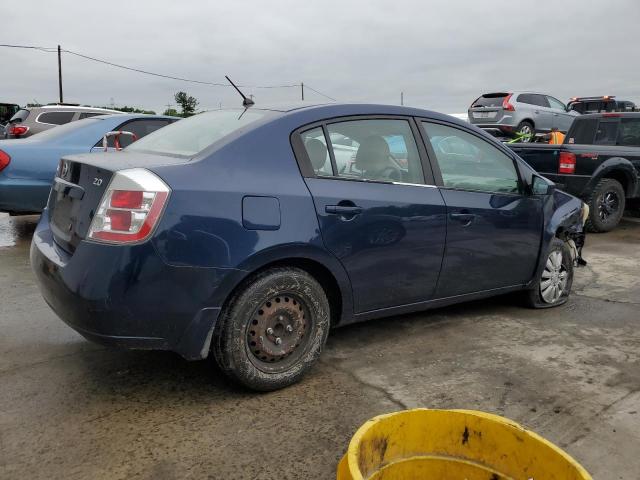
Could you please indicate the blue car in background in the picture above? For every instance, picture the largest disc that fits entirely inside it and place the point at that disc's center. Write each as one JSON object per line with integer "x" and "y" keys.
{"x": 238, "y": 233}
{"x": 27, "y": 166}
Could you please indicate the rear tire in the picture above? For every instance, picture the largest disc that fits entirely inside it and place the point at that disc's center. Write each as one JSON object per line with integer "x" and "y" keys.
{"x": 606, "y": 206}
{"x": 272, "y": 331}
{"x": 526, "y": 127}
{"x": 554, "y": 284}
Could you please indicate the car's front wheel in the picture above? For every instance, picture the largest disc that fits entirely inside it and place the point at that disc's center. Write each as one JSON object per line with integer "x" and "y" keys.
{"x": 554, "y": 284}
{"x": 273, "y": 330}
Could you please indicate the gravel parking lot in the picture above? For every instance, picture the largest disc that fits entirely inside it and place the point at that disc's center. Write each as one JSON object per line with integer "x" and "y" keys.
{"x": 72, "y": 409}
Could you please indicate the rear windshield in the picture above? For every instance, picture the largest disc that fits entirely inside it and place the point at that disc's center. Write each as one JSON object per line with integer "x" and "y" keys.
{"x": 20, "y": 116}
{"x": 192, "y": 135}
{"x": 490, "y": 100}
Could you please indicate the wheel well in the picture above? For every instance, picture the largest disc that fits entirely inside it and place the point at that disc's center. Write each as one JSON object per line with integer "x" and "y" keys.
{"x": 318, "y": 271}
{"x": 528, "y": 120}
{"x": 622, "y": 177}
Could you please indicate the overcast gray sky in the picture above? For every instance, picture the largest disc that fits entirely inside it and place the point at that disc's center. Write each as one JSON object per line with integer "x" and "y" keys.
{"x": 442, "y": 54}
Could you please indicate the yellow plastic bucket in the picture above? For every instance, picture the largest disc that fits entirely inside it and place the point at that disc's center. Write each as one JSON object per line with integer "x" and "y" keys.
{"x": 453, "y": 445}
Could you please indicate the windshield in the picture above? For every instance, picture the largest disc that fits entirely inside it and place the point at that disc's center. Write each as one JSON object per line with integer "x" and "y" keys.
{"x": 192, "y": 135}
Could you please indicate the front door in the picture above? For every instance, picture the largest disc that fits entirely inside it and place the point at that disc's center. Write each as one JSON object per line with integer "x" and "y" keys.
{"x": 494, "y": 231}
{"x": 376, "y": 212}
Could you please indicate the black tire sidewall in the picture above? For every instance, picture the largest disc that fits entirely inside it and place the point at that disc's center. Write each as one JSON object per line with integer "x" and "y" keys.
{"x": 535, "y": 294}
{"x": 229, "y": 345}
{"x": 595, "y": 224}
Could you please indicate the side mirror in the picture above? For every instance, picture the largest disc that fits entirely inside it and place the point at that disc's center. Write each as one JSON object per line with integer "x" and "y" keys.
{"x": 542, "y": 186}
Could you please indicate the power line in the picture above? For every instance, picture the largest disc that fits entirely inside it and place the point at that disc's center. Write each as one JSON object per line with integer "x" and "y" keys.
{"x": 171, "y": 77}
{"x": 319, "y": 93}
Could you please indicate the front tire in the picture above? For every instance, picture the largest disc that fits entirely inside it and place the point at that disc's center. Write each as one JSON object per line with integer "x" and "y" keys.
{"x": 554, "y": 284}
{"x": 273, "y": 330}
{"x": 606, "y": 206}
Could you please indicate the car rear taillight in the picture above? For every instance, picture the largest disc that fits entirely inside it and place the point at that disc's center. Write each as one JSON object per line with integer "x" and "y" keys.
{"x": 5, "y": 159}
{"x": 567, "y": 163}
{"x": 130, "y": 207}
{"x": 18, "y": 130}
{"x": 506, "y": 104}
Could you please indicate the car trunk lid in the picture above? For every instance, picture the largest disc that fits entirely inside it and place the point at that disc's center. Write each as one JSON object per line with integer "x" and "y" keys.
{"x": 487, "y": 108}
{"x": 79, "y": 185}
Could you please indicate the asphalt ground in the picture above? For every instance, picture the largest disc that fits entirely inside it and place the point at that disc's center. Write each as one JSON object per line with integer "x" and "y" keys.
{"x": 71, "y": 409}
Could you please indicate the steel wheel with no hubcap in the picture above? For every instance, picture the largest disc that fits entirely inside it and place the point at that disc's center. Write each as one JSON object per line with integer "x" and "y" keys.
{"x": 276, "y": 335}
{"x": 554, "y": 278}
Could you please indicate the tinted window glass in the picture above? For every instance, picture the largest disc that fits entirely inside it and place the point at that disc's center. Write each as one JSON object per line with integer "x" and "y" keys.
{"x": 555, "y": 103}
{"x": 381, "y": 150}
{"x": 192, "y": 135}
{"x": 629, "y": 132}
{"x": 490, "y": 100}
{"x": 316, "y": 146}
{"x": 525, "y": 98}
{"x": 55, "y": 118}
{"x": 20, "y": 116}
{"x": 540, "y": 100}
{"x": 583, "y": 131}
{"x": 470, "y": 163}
{"x": 140, "y": 127}
{"x": 90, "y": 114}
{"x": 606, "y": 133}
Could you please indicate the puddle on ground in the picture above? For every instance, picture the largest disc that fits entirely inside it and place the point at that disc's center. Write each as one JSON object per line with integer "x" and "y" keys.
{"x": 16, "y": 231}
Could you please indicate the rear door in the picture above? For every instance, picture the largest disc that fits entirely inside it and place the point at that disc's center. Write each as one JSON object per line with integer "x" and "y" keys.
{"x": 378, "y": 210}
{"x": 543, "y": 113}
{"x": 494, "y": 230}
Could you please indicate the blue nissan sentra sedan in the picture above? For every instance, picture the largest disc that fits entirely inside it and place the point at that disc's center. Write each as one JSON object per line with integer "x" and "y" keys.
{"x": 27, "y": 166}
{"x": 237, "y": 232}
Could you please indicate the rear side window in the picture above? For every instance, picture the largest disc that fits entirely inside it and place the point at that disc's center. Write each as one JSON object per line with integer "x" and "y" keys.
{"x": 525, "y": 98}
{"x": 629, "y": 132}
{"x": 490, "y": 100}
{"x": 20, "y": 116}
{"x": 90, "y": 114}
{"x": 583, "y": 131}
{"x": 141, "y": 128}
{"x": 540, "y": 100}
{"x": 316, "y": 147}
{"x": 194, "y": 134}
{"x": 55, "y": 118}
{"x": 469, "y": 163}
{"x": 380, "y": 150}
{"x": 607, "y": 133}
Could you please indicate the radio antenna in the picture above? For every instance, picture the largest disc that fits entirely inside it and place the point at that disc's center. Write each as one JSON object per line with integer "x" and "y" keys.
{"x": 246, "y": 101}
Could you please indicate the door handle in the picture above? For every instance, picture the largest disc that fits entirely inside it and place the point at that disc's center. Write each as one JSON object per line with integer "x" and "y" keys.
{"x": 464, "y": 218}
{"x": 343, "y": 209}
{"x": 536, "y": 111}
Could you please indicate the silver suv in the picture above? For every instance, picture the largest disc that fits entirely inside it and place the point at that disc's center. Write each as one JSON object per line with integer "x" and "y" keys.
{"x": 29, "y": 121}
{"x": 520, "y": 112}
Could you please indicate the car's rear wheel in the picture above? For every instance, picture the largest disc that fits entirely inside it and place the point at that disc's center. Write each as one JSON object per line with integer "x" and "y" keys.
{"x": 606, "y": 206}
{"x": 554, "y": 285}
{"x": 527, "y": 130}
{"x": 273, "y": 330}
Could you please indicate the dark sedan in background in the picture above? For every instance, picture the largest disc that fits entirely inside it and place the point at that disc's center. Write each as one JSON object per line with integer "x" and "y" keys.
{"x": 237, "y": 232}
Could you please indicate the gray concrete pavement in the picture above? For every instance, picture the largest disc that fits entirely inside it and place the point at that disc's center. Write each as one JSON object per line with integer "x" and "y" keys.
{"x": 71, "y": 409}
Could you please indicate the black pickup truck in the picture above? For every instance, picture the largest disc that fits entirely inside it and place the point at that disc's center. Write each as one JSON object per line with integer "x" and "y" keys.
{"x": 599, "y": 162}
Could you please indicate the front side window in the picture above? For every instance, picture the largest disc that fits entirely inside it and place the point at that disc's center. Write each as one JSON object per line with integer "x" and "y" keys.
{"x": 376, "y": 150}
{"x": 469, "y": 163}
{"x": 55, "y": 118}
{"x": 606, "y": 133}
{"x": 90, "y": 114}
{"x": 629, "y": 132}
{"x": 557, "y": 104}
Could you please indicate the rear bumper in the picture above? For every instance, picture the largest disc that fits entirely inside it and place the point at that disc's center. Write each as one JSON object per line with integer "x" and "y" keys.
{"x": 126, "y": 296}
{"x": 19, "y": 195}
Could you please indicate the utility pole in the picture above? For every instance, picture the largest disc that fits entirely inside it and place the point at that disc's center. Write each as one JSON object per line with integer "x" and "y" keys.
{"x": 401, "y": 98}
{"x": 302, "y": 90}
{"x": 60, "y": 73}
